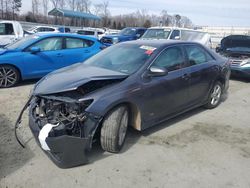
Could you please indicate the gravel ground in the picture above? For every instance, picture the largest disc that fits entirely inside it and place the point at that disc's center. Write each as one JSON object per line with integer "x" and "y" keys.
{"x": 202, "y": 148}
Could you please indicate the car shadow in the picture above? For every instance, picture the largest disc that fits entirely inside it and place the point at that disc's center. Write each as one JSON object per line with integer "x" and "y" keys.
{"x": 12, "y": 156}
{"x": 97, "y": 153}
{"x": 27, "y": 82}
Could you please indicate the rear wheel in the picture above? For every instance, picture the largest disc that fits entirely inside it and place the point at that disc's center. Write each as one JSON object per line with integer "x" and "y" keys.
{"x": 114, "y": 129}
{"x": 215, "y": 96}
{"x": 9, "y": 76}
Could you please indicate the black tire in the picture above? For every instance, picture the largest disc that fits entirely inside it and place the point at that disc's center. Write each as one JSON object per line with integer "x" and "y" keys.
{"x": 9, "y": 76}
{"x": 114, "y": 129}
{"x": 215, "y": 96}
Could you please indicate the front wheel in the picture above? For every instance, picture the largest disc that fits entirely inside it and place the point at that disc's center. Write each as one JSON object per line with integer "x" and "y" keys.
{"x": 215, "y": 96}
{"x": 114, "y": 129}
{"x": 9, "y": 76}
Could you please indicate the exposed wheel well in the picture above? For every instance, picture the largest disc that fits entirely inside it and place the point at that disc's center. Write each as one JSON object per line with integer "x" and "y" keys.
{"x": 134, "y": 117}
{"x": 20, "y": 75}
{"x": 221, "y": 80}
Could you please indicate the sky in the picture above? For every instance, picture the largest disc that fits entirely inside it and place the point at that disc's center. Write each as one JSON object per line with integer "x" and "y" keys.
{"x": 201, "y": 12}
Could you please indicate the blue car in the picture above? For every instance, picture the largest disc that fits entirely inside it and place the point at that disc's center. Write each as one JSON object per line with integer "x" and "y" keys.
{"x": 37, "y": 55}
{"x": 127, "y": 34}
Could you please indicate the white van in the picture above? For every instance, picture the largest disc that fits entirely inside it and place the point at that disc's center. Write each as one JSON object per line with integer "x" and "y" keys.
{"x": 178, "y": 34}
{"x": 9, "y": 32}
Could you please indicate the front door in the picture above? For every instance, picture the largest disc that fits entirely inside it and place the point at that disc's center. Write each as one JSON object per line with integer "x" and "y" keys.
{"x": 165, "y": 95}
{"x": 49, "y": 58}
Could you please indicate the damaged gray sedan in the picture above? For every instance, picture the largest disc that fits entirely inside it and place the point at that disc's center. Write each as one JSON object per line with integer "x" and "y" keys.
{"x": 138, "y": 84}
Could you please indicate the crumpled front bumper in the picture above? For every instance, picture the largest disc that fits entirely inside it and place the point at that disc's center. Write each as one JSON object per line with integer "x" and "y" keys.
{"x": 67, "y": 151}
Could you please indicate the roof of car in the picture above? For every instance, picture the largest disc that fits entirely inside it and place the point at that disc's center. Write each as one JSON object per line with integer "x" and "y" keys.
{"x": 158, "y": 43}
{"x": 51, "y": 34}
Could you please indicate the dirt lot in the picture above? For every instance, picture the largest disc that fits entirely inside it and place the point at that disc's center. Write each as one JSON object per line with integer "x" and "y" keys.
{"x": 202, "y": 148}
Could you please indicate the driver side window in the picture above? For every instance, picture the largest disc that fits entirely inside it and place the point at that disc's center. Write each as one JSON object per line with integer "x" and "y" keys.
{"x": 171, "y": 59}
{"x": 49, "y": 44}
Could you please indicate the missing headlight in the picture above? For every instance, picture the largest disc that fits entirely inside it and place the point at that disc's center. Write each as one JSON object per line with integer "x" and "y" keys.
{"x": 69, "y": 115}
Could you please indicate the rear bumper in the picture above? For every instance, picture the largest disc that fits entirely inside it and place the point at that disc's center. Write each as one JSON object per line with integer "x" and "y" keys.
{"x": 66, "y": 151}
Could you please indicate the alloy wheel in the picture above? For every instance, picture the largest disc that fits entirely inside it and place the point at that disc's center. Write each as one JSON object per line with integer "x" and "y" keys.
{"x": 216, "y": 95}
{"x": 8, "y": 76}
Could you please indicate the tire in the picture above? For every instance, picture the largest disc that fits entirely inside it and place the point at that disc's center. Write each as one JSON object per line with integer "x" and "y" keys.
{"x": 114, "y": 129}
{"x": 215, "y": 96}
{"x": 9, "y": 76}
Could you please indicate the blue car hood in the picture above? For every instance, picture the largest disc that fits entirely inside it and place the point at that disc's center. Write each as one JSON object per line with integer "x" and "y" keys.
{"x": 4, "y": 51}
{"x": 70, "y": 78}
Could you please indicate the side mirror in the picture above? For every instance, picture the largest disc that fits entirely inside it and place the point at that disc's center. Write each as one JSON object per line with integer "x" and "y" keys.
{"x": 177, "y": 38}
{"x": 157, "y": 71}
{"x": 35, "y": 50}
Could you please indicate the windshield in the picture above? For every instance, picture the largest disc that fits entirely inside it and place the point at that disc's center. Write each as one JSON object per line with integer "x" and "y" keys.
{"x": 21, "y": 42}
{"x": 6, "y": 29}
{"x": 125, "y": 58}
{"x": 156, "y": 34}
{"x": 128, "y": 31}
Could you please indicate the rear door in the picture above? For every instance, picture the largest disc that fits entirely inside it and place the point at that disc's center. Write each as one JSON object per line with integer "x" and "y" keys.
{"x": 166, "y": 95}
{"x": 48, "y": 59}
{"x": 77, "y": 50}
{"x": 203, "y": 70}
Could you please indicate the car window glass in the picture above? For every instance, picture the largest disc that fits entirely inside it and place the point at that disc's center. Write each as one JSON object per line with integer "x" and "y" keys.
{"x": 140, "y": 32}
{"x": 175, "y": 33}
{"x": 77, "y": 43}
{"x": 6, "y": 29}
{"x": 197, "y": 55}
{"x": 82, "y": 32}
{"x": 171, "y": 59}
{"x": 49, "y": 29}
{"x": 49, "y": 44}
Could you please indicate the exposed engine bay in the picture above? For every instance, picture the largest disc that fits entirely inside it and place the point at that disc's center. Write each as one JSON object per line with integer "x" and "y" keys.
{"x": 69, "y": 116}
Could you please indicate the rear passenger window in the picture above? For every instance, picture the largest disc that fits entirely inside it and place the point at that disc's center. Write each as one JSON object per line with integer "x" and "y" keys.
{"x": 171, "y": 59}
{"x": 78, "y": 43}
{"x": 197, "y": 55}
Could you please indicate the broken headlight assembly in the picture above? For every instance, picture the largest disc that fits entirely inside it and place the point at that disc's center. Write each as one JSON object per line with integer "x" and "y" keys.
{"x": 69, "y": 116}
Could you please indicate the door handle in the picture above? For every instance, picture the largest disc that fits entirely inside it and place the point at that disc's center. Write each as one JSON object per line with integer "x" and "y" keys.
{"x": 186, "y": 76}
{"x": 86, "y": 51}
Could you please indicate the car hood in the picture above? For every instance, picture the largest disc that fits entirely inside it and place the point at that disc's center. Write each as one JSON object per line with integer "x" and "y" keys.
{"x": 236, "y": 44}
{"x": 118, "y": 36}
{"x": 4, "y": 51}
{"x": 72, "y": 77}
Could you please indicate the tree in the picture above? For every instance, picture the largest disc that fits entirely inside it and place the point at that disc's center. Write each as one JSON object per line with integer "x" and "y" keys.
{"x": 45, "y": 7}
{"x": 147, "y": 24}
{"x": 83, "y": 5}
{"x": 55, "y": 3}
{"x": 72, "y": 4}
{"x": 16, "y": 5}
{"x": 177, "y": 20}
{"x": 103, "y": 11}
{"x": 114, "y": 25}
{"x": 119, "y": 25}
{"x": 35, "y": 7}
